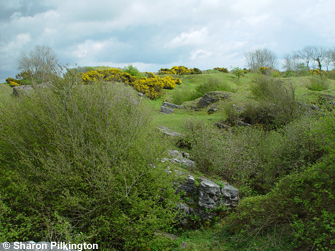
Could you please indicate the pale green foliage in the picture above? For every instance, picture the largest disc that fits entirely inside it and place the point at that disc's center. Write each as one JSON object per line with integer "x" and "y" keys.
{"x": 41, "y": 63}
{"x": 132, "y": 70}
{"x": 238, "y": 72}
{"x": 213, "y": 84}
{"x": 77, "y": 166}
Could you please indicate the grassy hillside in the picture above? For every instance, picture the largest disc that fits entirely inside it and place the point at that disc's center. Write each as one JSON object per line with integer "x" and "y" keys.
{"x": 278, "y": 151}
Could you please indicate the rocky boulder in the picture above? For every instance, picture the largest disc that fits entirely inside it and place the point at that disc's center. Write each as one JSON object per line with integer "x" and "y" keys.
{"x": 170, "y": 105}
{"x": 209, "y": 194}
{"x": 168, "y": 132}
{"x": 26, "y": 89}
{"x": 212, "y": 97}
{"x": 205, "y": 200}
{"x": 22, "y": 90}
{"x": 177, "y": 157}
{"x": 167, "y": 108}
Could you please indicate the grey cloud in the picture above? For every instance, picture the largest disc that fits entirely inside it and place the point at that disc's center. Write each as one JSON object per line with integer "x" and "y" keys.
{"x": 195, "y": 33}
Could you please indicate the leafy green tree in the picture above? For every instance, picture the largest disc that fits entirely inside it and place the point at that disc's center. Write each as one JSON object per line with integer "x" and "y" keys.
{"x": 238, "y": 72}
{"x": 132, "y": 70}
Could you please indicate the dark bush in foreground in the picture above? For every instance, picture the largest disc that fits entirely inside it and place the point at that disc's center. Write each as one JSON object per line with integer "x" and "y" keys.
{"x": 76, "y": 166}
{"x": 301, "y": 208}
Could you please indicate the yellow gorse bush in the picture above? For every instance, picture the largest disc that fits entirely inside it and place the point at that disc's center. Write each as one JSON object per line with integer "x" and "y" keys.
{"x": 317, "y": 72}
{"x": 179, "y": 70}
{"x": 221, "y": 69}
{"x": 263, "y": 69}
{"x": 152, "y": 86}
{"x": 112, "y": 74}
{"x": 13, "y": 82}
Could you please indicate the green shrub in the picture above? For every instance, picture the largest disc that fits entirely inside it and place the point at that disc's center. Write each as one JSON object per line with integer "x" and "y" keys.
{"x": 317, "y": 84}
{"x": 132, "y": 70}
{"x": 251, "y": 157}
{"x": 180, "y": 96}
{"x": 76, "y": 165}
{"x": 331, "y": 74}
{"x": 196, "y": 71}
{"x": 238, "y": 72}
{"x": 275, "y": 74}
{"x": 276, "y": 104}
{"x": 213, "y": 84}
{"x": 221, "y": 69}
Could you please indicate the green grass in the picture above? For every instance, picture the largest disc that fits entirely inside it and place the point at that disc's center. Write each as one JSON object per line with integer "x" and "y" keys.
{"x": 240, "y": 98}
{"x": 5, "y": 92}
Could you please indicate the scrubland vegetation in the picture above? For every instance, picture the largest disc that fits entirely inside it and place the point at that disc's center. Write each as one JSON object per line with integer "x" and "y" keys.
{"x": 81, "y": 161}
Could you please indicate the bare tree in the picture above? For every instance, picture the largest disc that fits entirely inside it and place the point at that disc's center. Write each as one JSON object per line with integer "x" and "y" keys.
{"x": 255, "y": 59}
{"x": 319, "y": 56}
{"x": 292, "y": 63}
{"x": 332, "y": 56}
{"x": 306, "y": 54}
{"x": 328, "y": 59}
{"x": 40, "y": 63}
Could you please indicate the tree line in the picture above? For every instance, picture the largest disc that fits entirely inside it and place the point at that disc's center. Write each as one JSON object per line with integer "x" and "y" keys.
{"x": 318, "y": 56}
{"x": 41, "y": 62}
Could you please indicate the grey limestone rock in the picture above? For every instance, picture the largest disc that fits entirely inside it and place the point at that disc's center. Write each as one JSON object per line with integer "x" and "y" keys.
{"x": 188, "y": 186}
{"x": 209, "y": 194}
{"x": 211, "y": 97}
{"x": 22, "y": 90}
{"x": 170, "y": 105}
{"x": 26, "y": 89}
{"x": 210, "y": 197}
{"x": 168, "y": 131}
{"x": 230, "y": 196}
{"x": 177, "y": 157}
{"x": 166, "y": 110}
{"x": 211, "y": 110}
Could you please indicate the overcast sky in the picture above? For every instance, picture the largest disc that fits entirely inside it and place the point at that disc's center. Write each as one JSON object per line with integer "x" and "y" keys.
{"x": 151, "y": 34}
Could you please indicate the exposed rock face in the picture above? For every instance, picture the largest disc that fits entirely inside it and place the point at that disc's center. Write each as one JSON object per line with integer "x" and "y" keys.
{"x": 168, "y": 132}
{"x": 22, "y": 90}
{"x": 241, "y": 123}
{"x": 168, "y": 107}
{"x": 26, "y": 89}
{"x": 166, "y": 104}
{"x": 229, "y": 196}
{"x": 177, "y": 157}
{"x": 166, "y": 110}
{"x": 212, "y": 109}
{"x": 209, "y": 194}
{"x": 204, "y": 200}
{"x": 188, "y": 187}
{"x": 211, "y": 97}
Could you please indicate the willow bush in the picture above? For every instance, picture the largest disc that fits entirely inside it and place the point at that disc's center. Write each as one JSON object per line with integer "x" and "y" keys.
{"x": 77, "y": 165}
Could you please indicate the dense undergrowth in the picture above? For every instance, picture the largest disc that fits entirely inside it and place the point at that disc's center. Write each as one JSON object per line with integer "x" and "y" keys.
{"x": 76, "y": 166}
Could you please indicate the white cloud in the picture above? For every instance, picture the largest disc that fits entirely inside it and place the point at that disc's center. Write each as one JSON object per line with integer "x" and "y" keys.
{"x": 200, "y": 54}
{"x": 198, "y": 37}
